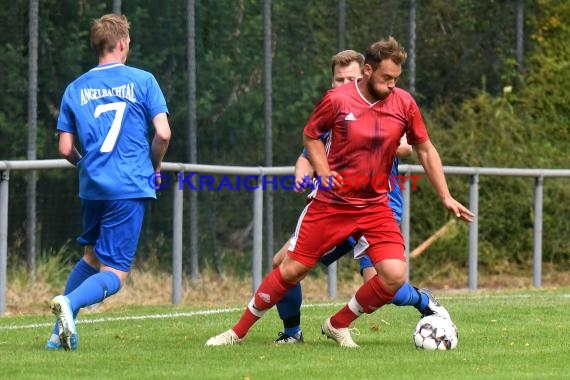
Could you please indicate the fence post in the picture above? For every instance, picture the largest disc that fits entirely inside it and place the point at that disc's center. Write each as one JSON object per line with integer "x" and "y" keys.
{"x": 257, "y": 236}
{"x": 4, "y": 181}
{"x": 473, "y": 230}
{"x": 332, "y": 280}
{"x": 177, "y": 223}
{"x": 537, "y": 259}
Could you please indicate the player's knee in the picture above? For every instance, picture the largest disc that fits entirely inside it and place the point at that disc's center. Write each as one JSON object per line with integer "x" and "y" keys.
{"x": 394, "y": 281}
{"x": 293, "y": 271}
{"x": 392, "y": 272}
{"x": 280, "y": 255}
{"x": 121, "y": 275}
{"x": 368, "y": 273}
{"x": 90, "y": 258}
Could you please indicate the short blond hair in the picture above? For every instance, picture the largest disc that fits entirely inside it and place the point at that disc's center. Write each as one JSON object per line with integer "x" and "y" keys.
{"x": 106, "y": 32}
{"x": 345, "y": 58}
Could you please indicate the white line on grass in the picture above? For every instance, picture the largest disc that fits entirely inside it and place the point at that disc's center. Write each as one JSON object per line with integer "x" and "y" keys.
{"x": 231, "y": 310}
{"x": 149, "y": 316}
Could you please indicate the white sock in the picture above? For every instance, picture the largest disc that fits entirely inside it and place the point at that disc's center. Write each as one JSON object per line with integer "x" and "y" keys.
{"x": 355, "y": 307}
{"x": 55, "y": 339}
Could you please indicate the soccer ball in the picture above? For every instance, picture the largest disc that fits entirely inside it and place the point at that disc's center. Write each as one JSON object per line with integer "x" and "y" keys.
{"x": 435, "y": 333}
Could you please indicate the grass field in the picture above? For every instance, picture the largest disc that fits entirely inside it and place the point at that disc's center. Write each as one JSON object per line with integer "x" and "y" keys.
{"x": 502, "y": 335}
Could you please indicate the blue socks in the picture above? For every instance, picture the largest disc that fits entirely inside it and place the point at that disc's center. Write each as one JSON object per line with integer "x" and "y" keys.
{"x": 289, "y": 308}
{"x": 94, "y": 290}
{"x": 408, "y": 295}
{"x": 79, "y": 273}
{"x": 365, "y": 262}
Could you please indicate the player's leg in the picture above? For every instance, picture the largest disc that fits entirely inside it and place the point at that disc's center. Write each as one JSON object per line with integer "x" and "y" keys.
{"x": 372, "y": 295}
{"x": 121, "y": 224}
{"x": 270, "y": 291}
{"x": 366, "y": 268}
{"x": 289, "y": 307}
{"x": 407, "y": 295}
{"x": 386, "y": 249}
{"x": 87, "y": 266}
{"x": 422, "y": 299}
{"x": 338, "y": 251}
{"x": 427, "y": 304}
{"x": 80, "y": 272}
{"x": 310, "y": 241}
{"x": 115, "y": 250}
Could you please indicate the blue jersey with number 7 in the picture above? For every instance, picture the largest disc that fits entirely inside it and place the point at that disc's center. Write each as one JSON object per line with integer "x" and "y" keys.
{"x": 110, "y": 109}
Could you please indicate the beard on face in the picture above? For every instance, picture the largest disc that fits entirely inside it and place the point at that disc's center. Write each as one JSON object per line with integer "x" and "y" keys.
{"x": 373, "y": 92}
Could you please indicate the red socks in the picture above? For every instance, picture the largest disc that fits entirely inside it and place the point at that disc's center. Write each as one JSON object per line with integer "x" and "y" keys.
{"x": 270, "y": 291}
{"x": 369, "y": 297}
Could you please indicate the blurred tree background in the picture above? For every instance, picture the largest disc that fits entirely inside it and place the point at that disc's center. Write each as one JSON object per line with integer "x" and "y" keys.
{"x": 482, "y": 106}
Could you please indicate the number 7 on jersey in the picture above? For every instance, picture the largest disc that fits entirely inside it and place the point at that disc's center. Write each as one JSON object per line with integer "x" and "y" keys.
{"x": 113, "y": 134}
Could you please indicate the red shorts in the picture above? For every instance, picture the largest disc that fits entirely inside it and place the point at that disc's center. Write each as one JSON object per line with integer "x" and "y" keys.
{"x": 322, "y": 226}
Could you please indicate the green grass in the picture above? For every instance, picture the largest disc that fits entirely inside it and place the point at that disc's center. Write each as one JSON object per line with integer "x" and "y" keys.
{"x": 506, "y": 335}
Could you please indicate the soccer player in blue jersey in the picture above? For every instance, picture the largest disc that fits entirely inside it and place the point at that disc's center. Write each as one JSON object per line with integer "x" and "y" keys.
{"x": 346, "y": 66}
{"x": 109, "y": 109}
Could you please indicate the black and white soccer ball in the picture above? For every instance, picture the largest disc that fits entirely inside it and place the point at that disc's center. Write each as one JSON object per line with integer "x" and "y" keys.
{"x": 435, "y": 333}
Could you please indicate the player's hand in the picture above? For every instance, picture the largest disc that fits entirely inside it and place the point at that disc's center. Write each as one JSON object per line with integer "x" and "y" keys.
{"x": 302, "y": 182}
{"x": 157, "y": 178}
{"x": 331, "y": 180}
{"x": 460, "y": 211}
{"x": 338, "y": 181}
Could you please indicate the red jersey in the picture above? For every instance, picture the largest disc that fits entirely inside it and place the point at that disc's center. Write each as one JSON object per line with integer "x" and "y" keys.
{"x": 363, "y": 140}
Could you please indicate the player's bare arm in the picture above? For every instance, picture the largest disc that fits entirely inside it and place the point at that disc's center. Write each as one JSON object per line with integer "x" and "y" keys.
{"x": 404, "y": 149}
{"x": 67, "y": 148}
{"x": 303, "y": 170}
{"x": 160, "y": 141}
{"x": 317, "y": 156}
{"x": 431, "y": 162}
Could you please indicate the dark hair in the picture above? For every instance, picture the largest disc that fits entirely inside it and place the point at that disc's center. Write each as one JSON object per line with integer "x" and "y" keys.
{"x": 385, "y": 49}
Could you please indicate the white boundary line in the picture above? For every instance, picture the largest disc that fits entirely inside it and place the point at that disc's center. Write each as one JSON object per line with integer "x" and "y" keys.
{"x": 148, "y": 316}
{"x": 234, "y": 309}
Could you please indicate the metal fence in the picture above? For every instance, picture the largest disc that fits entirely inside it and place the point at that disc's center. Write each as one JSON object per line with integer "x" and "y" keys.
{"x": 177, "y": 218}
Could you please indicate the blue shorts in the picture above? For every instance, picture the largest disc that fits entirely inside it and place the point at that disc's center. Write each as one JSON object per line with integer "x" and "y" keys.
{"x": 113, "y": 228}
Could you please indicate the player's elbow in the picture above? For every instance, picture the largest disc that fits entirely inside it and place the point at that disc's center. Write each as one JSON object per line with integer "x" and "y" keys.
{"x": 161, "y": 128}
{"x": 66, "y": 149}
{"x": 62, "y": 151}
{"x": 163, "y": 135}
{"x": 307, "y": 138}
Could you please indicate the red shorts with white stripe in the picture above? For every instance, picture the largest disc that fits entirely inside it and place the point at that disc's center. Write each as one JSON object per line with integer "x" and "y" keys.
{"x": 322, "y": 226}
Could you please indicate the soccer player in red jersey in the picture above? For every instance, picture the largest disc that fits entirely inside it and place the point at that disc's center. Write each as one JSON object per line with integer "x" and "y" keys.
{"x": 365, "y": 122}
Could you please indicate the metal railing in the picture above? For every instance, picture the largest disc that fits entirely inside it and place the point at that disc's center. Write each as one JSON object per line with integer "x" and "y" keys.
{"x": 177, "y": 218}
